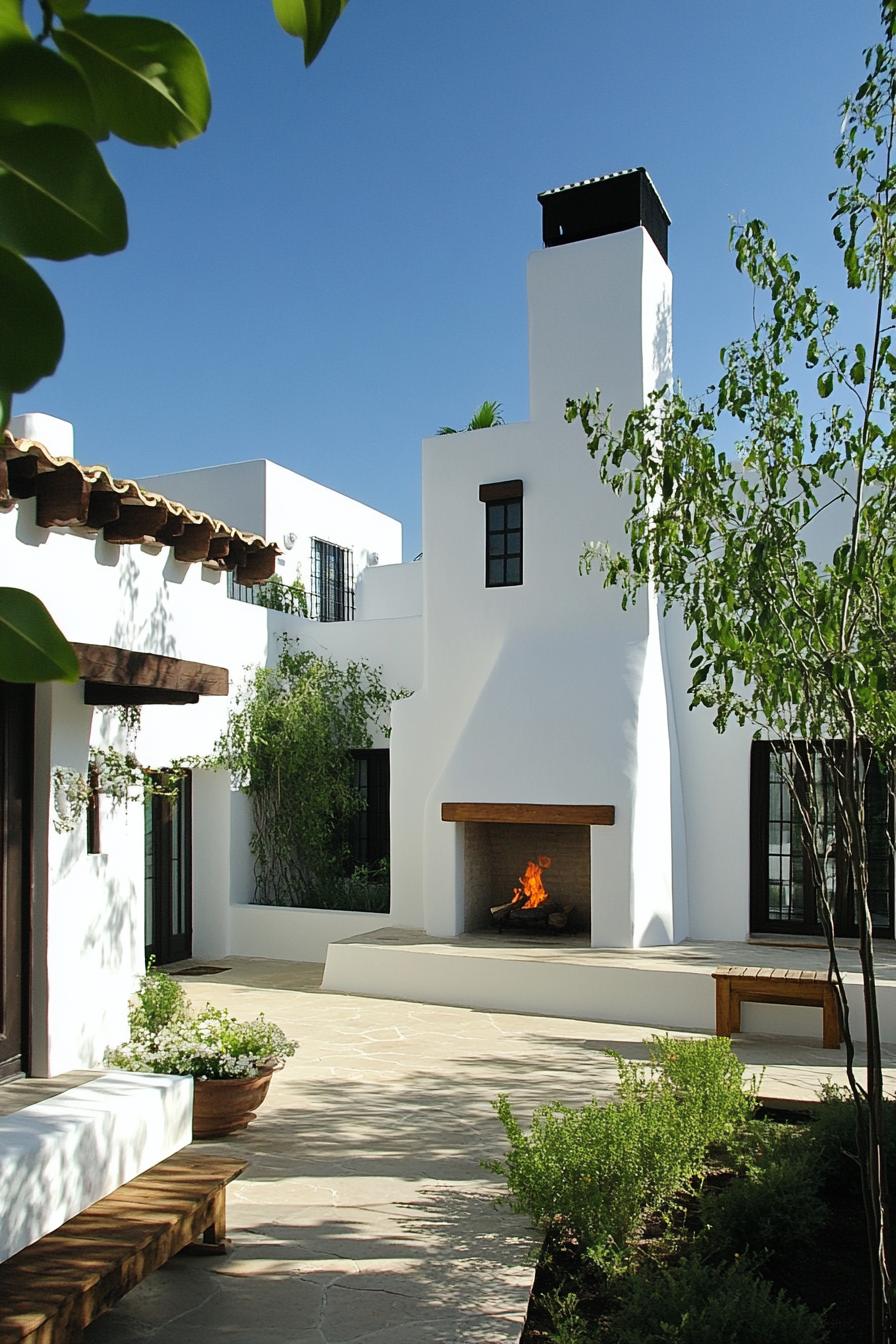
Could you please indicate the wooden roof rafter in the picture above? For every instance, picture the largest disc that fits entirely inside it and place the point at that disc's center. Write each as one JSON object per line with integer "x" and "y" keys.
{"x": 70, "y": 494}
{"x": 115, "y": 676}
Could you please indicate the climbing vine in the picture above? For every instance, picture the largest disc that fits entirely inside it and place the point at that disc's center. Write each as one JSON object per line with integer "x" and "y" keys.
{"x": 115, "y": 774}
{"x": 287, "y": 745}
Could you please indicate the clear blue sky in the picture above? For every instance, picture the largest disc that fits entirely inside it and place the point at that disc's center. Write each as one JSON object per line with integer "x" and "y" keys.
{"x": 338, "y": 266}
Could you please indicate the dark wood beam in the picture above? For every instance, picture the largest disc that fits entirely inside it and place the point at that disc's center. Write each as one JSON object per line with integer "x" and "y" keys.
{"x": 63, "y": 498}
{"x": 110, "y": 666}
{"x": 258, "y": 565}
{"x": 104, "y": 507}
{"x": 192, "y": 544}
{"x": 104, "y": 693}
{"x": 545, "y": 814}
{"x": 218, "y": 548}
{"x": 173, "y": 529}
{"x": 501, "y": 490}
{"x": 136, "y": 523}
{"x": 22, "y": 477}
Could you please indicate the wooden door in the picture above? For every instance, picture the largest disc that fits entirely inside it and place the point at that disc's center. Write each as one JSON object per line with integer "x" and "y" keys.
{"x": 16, "y": 776}
{"x": 168, "y": 875}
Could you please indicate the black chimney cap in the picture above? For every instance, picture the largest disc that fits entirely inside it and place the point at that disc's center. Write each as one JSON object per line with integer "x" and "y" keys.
{"x": 602, "y": 205}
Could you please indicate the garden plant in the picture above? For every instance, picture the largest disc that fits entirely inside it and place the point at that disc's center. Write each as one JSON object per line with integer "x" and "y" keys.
{"x": 793, "y": 635}
{"x": 677, "y": 1213}
{"x": 167, "y": 1036}
{"x": 288, "y": 745}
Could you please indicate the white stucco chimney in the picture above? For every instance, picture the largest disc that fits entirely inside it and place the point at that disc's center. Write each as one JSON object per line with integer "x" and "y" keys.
{"x": 55, "y": 434}
{"x": 600, "y": 295}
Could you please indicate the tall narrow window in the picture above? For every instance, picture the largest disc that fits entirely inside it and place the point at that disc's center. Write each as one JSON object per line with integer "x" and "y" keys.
{"x": 168, "y": 873}
{"x": 332, "y": 582}
{"x": 786, "y": 862}
{"x": 369, "y": 829}
{"x": 503, "y": 533}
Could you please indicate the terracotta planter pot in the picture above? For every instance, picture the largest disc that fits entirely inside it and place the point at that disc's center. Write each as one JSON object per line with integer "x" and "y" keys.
{"x": 225, "y": 1105}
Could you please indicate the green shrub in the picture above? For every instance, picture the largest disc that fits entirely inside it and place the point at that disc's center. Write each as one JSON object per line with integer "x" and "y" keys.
{"x": 774, "y": 1207}
{"x": 158, "y": 1001}
{"x": 708, "y": 1078}
{"x": 697, "y": 1303}
{"x": 580, "y": 1168}
{"x": 597, "y": 1170}
{"x": 834, "y": 1134}
{"x": 567, "y": 1324}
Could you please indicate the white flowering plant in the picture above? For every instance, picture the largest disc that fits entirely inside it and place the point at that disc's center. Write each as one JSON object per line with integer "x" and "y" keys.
{"x": 208, "y": 1043}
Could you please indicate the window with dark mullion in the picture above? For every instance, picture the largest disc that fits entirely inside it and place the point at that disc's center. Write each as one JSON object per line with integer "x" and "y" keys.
{"x": 503, "y": 542}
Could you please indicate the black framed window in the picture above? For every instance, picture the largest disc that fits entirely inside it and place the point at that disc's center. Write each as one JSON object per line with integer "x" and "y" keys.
{"x": 369, "y": 829}
{"x": 503, "y": 533}
{"x": 168, "y": 873}
{"x": 332, "y": 595}
{"x": 784, "y": 859}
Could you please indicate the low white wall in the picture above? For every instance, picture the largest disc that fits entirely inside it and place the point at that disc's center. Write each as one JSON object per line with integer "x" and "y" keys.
{"x": 645, "y": 995}
{"x": 62, "y": 1155}
{"x": 295, "y": 935}
{"x": 384, "y": 592}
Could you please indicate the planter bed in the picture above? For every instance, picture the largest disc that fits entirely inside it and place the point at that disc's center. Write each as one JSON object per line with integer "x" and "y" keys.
{"x": 829, "y": 1275}
{"x": 683, "y": 1211}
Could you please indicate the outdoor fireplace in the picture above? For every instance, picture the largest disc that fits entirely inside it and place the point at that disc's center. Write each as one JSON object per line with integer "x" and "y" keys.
{"x": 527, "y": 866}
{"x": 533, "y": 907}
{"x": 527, "y": 879}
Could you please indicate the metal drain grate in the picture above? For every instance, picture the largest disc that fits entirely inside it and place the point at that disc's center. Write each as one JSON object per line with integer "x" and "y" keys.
{"x": 200, "y": 970}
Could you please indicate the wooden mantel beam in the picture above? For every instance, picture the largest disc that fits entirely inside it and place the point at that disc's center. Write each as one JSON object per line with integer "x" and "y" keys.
{"x": 110, "y": 666}
{"x": 544, "y": 814}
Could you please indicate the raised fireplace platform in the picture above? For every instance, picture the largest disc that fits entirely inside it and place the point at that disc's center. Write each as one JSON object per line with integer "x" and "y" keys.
{"x": 659, "y": 988}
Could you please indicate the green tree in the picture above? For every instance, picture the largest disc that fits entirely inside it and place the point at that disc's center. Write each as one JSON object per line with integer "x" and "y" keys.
{"x": 288, "y": 746}
{"x": 485, "y": 416}
{"x": 69, "y": 83}
{"x": 791, "y": 636}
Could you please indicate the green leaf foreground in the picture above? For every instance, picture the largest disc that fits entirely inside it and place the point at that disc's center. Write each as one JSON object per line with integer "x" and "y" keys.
{"x": 32, "y": 332}
{"x": 311, "y": 20}
{"x": 57, "y": 197}
{"x": 39, "y": 87}
{"x": 32, "y": 647}
{"x": 148, "y": 80}
{"x": 12, "y": 25}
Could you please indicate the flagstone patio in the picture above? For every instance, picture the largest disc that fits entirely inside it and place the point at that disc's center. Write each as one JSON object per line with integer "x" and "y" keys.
{"x": 365, "y": 1215}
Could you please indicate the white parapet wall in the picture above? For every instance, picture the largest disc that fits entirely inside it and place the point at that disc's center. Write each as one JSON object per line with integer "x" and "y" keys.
{"x": 62, "y": 1155}
{"x": 286, "y": 934}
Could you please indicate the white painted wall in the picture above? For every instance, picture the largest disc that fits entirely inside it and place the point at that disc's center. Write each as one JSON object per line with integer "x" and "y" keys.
{"x": 88, "y": 909}
{"x": 385, "y": 592}
{"x": 546, "y": 692}
{"x": 263, "y": 497}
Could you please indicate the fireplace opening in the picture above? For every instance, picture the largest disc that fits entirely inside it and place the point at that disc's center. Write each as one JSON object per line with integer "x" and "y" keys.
{"x": 531, "y": 879}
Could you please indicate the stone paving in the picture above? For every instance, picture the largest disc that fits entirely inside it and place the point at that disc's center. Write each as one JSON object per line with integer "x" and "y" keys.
{"x": 364, "y": 1216}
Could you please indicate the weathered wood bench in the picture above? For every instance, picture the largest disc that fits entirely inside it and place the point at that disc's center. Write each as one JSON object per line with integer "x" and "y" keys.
{"x": 51, "y": 1291}
{"x": 764, "y": 984}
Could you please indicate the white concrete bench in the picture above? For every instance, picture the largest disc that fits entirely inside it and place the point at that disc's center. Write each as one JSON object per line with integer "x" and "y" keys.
{"x": 62, "y": 1155}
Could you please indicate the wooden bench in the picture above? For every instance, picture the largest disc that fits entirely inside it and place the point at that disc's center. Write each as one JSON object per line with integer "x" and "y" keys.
{"x": 51, "y": 1291}
{"x": 763, "y": 984}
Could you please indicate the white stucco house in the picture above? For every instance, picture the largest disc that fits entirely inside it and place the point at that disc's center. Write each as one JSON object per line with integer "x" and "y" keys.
{"x": 543, "y": 719}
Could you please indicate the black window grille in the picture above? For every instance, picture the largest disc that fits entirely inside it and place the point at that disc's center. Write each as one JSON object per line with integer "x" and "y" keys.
{"x": 332, "y": 595}
{"x": 368, "y": 838}
{"x": 503, "y": 542}
{"x": 785, "y": 861}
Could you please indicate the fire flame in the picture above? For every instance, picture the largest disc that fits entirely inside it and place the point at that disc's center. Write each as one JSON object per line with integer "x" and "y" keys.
{"x": 532, "y": 886}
